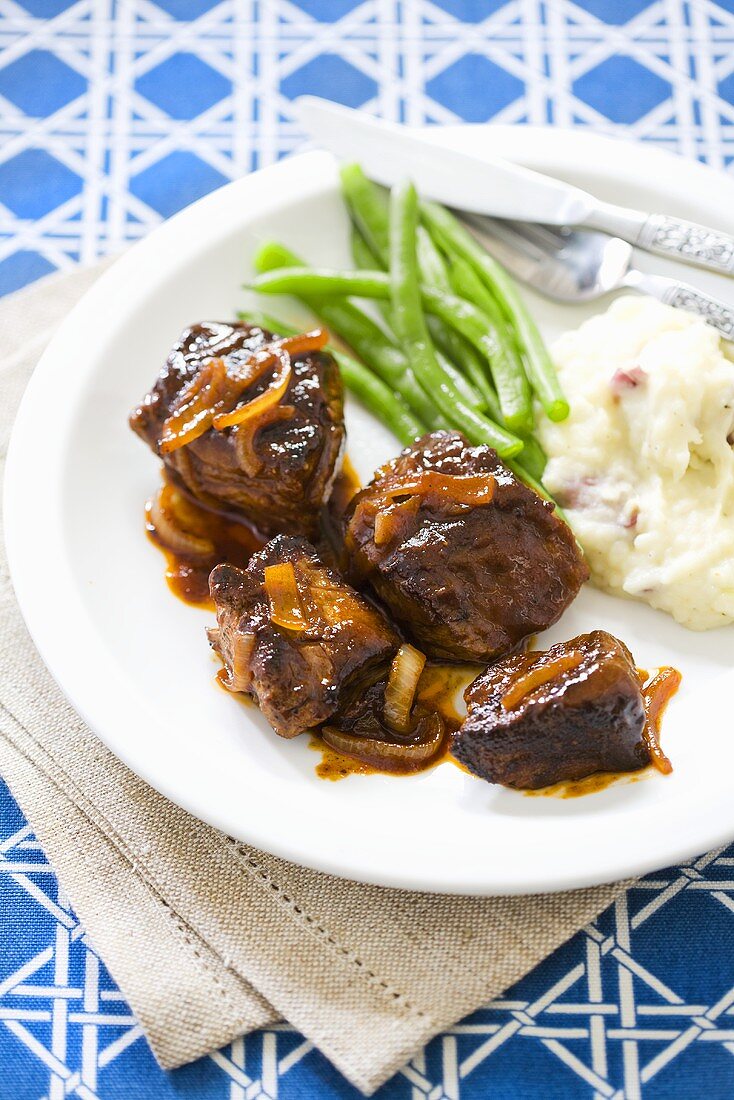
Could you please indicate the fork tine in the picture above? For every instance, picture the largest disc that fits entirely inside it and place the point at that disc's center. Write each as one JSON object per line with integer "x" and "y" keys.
{"x": 508, "y": 233}
{"x": 547, "y": 237}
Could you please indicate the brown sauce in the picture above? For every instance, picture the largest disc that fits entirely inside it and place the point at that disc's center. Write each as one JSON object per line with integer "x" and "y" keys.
{"x": 234, "y": 541}
{"x": 334, "y": 766}
{"x": 439, "y": 689}
{"x": 590, "y": 784}
{"x": 346, "y": 484}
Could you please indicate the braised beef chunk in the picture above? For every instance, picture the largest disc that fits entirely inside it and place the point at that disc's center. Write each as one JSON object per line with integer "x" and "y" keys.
{"x": 330, "y": 645}
{"x": 539, "y": 718}
{"x": 468, "y": 559}
{"x": 282, "y": 476}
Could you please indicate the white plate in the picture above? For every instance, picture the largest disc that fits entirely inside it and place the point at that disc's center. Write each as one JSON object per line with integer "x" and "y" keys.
{"x": 135, "y": 661}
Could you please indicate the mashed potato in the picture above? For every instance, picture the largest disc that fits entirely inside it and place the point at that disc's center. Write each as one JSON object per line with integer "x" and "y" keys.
{"x": 644, "y": 465}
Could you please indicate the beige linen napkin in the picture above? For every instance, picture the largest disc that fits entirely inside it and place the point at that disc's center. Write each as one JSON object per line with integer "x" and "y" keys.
{"x": 207, "y": 938}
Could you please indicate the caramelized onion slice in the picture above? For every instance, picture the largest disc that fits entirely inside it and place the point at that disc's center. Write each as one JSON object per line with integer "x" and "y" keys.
{"x": 268, "y": 409}
{"x": 655, "y": 696}
{"x": 470, "y": 489}
{"x": 393, "y": 521}
{"x": 281, "y": 588}
{"x": 172, "y": 532}
{"x": 198, "y": 401}
{"x": 384, "y": 503}
{"x": 275, "y": 390}
{"x": 305, "y": 342}
{"x": 389, "y": 755}
{"x": 405, "y": 672}
{"x": 538, "y": 675}
{"x": 282, "y": 351}
{"x": 236, "y": 676}
{"x": 203, "y": 401}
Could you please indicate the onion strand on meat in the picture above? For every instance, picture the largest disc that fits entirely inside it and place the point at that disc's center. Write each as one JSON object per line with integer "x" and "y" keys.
{"x": 281, "y": 587}
{"x": 197, "y": 402}
{"x": 405, "y": 672}
{"x": 394, "y": 520}
{"x": 207, "y": 400}
{"x": 470, "y": 489}
{"x": 655, "y": 696}
{"x": 538, "y": 675}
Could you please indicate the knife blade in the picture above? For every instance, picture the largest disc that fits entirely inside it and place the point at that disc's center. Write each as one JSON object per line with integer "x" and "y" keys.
{"x": 389, "y": 152}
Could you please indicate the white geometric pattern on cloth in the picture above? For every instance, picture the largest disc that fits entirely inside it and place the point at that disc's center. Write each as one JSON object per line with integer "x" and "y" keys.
{"x": 52, "y": 1003}
{"x": 142, "y": 112}
{"x": 115, "y": 113}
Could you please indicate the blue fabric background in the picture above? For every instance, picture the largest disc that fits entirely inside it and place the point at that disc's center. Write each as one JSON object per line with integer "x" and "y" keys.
{"x": 114, "y": 115}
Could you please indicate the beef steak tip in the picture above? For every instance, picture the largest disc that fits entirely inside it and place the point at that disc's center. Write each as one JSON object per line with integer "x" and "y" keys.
{"x": 299, "y": 456}
{"x": 540, "y": 718}
{"x": 471, "y": 564}
{"x": 299, "y": 678}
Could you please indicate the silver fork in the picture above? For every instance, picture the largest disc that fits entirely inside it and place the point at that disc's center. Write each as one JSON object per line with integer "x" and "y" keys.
{"x": 578, "y": 265}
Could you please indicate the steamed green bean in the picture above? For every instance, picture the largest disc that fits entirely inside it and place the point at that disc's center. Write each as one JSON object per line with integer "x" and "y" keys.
{"x": 362, "y": 334}
{"x": 368, "y": 207}
{"x": 455, "y": 239}
{"x": 459, "y": 314}
{"x": 410, "y": 326}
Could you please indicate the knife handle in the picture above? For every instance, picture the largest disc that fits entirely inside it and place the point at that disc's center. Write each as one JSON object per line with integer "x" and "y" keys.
{"x": 686, "y": 241}
{"x": 682, "y": 296}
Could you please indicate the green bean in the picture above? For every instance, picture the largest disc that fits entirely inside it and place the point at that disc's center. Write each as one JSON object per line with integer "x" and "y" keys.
{"x": 410, "y": 326}
{"x": 457, "y": 240}
{"x": 470, "y": 390}
{"x": 533, "y": 458}
{"x": 514, "y": 398}
{"x": 388, "y": 407}
{"x": 507, "y": 370}
{"x": 464, "y": 386}
{"x": 368, "y": 208}
{"x": 272, "y": 324}
{"x": 368, "y": 340}
{"x": 362, "y": 254}
{"x": 362, "y": 334}
{"x": 453, "y": 346}
{"x": 456, "y": 349}
{"x": 323, "y": 281}
{"x": 430, "y": 261}
{"x": 456, "y": 312}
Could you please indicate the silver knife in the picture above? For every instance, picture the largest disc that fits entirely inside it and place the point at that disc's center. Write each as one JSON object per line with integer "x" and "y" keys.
{"x": 389, "y": 152}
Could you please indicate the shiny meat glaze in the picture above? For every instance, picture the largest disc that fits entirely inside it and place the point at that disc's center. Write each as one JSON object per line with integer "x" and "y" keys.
{"x": 584, "y": 719}
{"x": 300, "y": 456}
{"x": 466, "y": 582}
{"x": 298, "y": 678}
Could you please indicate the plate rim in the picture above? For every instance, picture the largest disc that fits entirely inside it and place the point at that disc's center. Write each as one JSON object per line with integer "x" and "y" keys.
{"x": 535, "y": 142}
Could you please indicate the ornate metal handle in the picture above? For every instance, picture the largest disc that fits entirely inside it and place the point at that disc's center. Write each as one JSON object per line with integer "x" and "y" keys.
{"x": 694, "y": 244}
{"x": 683, "y": 296}
{"x": 713, "y": 311}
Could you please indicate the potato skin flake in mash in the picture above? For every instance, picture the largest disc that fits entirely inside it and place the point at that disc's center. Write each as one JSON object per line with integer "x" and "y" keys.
{"x": 644, "y": 465}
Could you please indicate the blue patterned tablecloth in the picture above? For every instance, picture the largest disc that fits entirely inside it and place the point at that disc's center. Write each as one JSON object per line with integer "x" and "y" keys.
{"x": 113, "y": 115}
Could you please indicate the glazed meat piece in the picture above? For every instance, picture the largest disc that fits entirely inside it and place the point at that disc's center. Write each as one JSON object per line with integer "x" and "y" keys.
{"x": 539, "y": 718}
{"x": 468, "y": 559}
{"x": 295, "y": 636}
{"x": 277, "y": 468}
